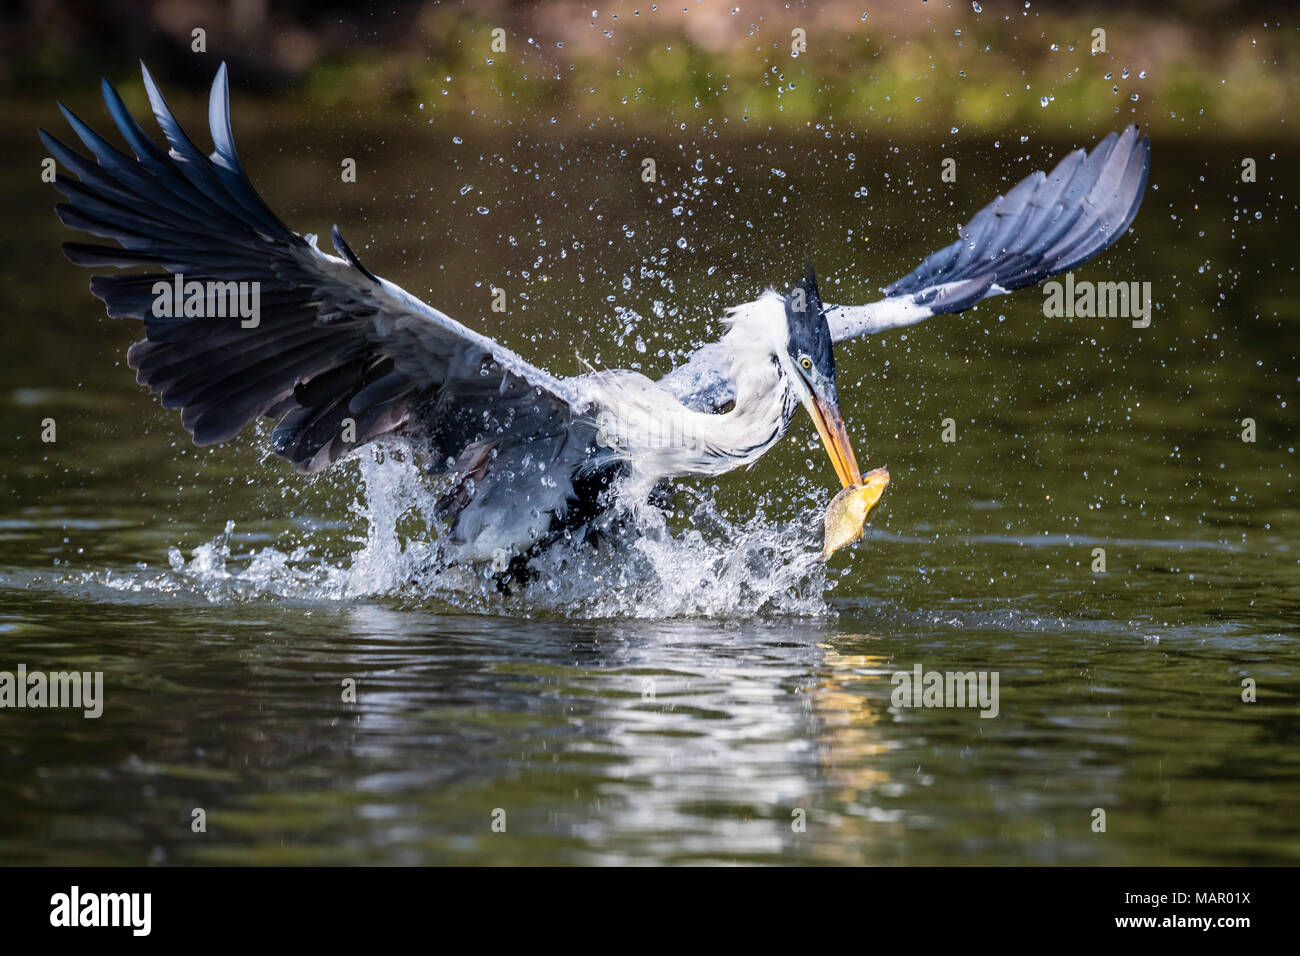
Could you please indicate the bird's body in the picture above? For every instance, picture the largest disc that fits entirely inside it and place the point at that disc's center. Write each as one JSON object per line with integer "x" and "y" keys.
{"x": 340, "y": 357}
{"x": 627, "y": 426}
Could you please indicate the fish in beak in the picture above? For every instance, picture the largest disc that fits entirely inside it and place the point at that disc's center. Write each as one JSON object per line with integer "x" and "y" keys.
{"x": 847, "y": 513}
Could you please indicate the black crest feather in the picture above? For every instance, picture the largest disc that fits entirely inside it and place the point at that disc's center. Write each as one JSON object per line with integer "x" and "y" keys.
{"x": 806, "y": 318}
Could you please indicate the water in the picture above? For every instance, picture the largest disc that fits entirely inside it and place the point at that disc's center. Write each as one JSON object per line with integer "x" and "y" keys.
{"x": 709, "y": 692}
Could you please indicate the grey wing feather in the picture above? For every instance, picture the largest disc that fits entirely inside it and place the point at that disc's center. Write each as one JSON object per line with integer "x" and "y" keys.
{"x": 1046, "y": 225}
{"x": 338, "y": 355}
{"x": 703, "y": 382}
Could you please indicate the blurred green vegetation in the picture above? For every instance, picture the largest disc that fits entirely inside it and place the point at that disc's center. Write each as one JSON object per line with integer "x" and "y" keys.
{"x": 1204, "y": 68}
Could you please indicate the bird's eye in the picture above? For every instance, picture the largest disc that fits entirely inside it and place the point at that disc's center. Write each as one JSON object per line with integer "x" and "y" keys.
{"x": 806, "y": 362}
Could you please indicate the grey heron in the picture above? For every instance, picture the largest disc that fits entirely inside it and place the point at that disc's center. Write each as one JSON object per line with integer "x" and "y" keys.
{"x": 339, "y": 357}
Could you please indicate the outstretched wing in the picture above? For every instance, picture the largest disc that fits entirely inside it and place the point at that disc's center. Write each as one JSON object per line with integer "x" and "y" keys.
{"x": 335, "y": 353}
{"x": 1046, "y": 225}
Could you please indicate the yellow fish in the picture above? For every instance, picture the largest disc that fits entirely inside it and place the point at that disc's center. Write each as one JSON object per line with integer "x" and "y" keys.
{"x": 847, "y": 512}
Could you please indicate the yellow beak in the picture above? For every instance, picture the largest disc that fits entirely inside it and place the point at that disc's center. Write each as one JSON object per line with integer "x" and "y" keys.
{"x": 835, "y": 436}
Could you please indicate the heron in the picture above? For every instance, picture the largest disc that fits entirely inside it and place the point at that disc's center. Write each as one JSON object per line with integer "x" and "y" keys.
{"x": 339, "y": 357}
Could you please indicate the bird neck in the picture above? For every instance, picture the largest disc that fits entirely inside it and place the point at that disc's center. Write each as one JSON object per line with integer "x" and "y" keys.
{"x": 653, "y": 431}
{"x": 765, "y": 398}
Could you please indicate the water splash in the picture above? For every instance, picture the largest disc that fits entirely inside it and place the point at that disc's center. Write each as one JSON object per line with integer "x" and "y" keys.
{"x": 718, "y": 567}
{"x": 711, "y": 566}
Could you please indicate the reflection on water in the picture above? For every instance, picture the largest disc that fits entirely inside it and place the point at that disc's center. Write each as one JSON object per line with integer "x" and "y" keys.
{"x": 708, "y": 693}
{"x": 668, "y": 741}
